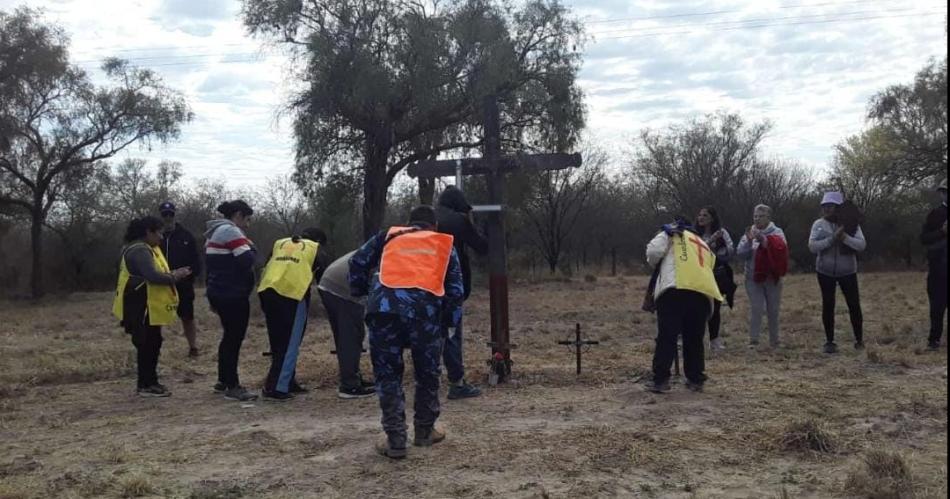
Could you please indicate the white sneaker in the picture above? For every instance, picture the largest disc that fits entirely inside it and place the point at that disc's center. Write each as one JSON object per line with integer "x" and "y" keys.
{"x": 717, "y": 345}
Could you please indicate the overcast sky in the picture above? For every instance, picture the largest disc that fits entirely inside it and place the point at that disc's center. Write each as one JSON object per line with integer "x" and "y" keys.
{"x": 809, "y": 66}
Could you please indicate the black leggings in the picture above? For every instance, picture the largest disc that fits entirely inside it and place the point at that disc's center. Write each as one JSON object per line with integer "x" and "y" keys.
{"x": 148, "y": 346}
{"x": 849, "y": 286}
{"x": 715, "y": 322}
{"x": 234, "y": 314}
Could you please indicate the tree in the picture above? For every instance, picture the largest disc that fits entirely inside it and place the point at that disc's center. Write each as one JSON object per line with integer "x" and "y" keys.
{"x": 55, "y": 123}
{"x": 395, "y": 81}
{"x": 914, "y": 118}
{"x": 558, "y": 200}
{"x": 283, "y": 200}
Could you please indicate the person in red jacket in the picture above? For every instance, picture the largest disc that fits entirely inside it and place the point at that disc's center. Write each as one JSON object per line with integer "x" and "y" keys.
{"x": 764, "y": 285}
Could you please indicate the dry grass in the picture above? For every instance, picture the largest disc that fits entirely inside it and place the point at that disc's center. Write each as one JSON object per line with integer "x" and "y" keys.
{"x": 883, "y": 475}
{"x": 808, "y": 436}
{"x": 67, "y": 404}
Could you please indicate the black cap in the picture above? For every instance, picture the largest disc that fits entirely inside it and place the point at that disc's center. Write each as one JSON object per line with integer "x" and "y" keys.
{"x": 422, "y": 215}
{"x": 166, "y": 207}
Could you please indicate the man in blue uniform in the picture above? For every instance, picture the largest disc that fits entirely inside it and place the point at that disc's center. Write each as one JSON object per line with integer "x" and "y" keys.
{"x": 413, "y": 280}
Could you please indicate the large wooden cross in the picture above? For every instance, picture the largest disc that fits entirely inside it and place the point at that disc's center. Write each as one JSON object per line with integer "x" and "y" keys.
{"x": 495, "y": 166}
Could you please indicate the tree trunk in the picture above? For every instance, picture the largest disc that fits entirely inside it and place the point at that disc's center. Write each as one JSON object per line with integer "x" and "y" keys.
{"x": 375, "y": 188}
{"x": 427, "y": 191}
{"x": 36, "y": 249}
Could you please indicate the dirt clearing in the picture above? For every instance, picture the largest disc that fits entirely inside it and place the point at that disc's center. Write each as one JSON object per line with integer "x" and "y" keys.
{"x": 791, "y": 423}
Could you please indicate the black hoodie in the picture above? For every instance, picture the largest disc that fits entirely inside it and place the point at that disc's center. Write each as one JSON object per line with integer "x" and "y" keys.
{"x": 452, "y": 214}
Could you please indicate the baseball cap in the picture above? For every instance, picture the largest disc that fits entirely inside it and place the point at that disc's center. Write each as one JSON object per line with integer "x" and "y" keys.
{"x": 835, "y": 198}
{"x": 166, "y": 207}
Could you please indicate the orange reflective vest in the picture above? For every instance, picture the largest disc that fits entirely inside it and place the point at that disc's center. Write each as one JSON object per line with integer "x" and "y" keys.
{"x": 416, "y": 259}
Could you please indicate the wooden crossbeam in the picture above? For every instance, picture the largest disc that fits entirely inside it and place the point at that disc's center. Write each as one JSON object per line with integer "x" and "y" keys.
{"x": 506, "y": 164}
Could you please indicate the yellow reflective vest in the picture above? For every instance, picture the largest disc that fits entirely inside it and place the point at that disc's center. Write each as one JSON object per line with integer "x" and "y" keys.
{"x": 162, "y": 299}
{"x": 289, "y": 271}
{"x": 694, "y": 265}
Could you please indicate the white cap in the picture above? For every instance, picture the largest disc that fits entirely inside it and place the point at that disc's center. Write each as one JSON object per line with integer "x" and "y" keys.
{"x": 835, "y": 198}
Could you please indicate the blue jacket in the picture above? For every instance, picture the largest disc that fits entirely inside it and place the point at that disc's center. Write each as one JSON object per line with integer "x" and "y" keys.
{"x": 410, "y": 303}
{"x": 229, "y": 261}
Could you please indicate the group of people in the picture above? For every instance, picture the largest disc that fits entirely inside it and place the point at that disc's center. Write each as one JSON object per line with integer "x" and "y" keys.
{"x": 407, "y": 285}
{"x": 693, "y": 278}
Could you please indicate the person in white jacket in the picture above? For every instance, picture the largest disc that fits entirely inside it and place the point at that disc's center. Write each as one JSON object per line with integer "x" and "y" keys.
{"x": 679, "y": 311}
{"x": 837, "y": 265}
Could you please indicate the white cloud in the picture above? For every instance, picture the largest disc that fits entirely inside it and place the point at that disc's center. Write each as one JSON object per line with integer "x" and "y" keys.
{"x": 812, "y": 78}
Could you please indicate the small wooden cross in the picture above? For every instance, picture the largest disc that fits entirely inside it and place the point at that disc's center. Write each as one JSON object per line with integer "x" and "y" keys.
{"x": 579, "y": 344}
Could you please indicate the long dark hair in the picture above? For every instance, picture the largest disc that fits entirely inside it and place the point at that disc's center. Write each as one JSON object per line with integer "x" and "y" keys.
{"x": 716, "y": 223}
{"x": 229, "y": 208}
{"x": 140, "y": 226}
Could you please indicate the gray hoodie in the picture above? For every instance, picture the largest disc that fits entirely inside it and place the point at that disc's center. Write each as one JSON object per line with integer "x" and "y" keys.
{"x": 831, "y": 261}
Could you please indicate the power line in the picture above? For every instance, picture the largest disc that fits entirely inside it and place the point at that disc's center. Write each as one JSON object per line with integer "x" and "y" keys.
{"x": 762, "y": 20}
{"x": 719, "y": 12}
{"x": 829, "y": 21}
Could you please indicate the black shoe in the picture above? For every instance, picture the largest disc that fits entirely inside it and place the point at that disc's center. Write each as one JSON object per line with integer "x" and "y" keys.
{"x": 297, "y": 388}
{"x": 239, "y": 394}
{"x": 463, "y": 391}
{"x": 393, "y": 448}
{"x": 219, "y": 387}
{"x": 831, "y": 348}
{"x": 659, "y": 387}
{"x": 154, "y": 391}
{"x": 360, "y": 392}
{"x": 859, "y": 345}
{"x": 695, "y": 386}
{"x": 275, "y": 396}
{"x": 194, "y": 353}
{"x": 427, "y": 437}
{"x": 368, "y": 384}
{"x": 933, "y": 346}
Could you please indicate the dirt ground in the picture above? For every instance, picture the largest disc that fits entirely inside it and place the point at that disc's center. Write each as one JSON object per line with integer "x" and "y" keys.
{"x": 790, "y": 423}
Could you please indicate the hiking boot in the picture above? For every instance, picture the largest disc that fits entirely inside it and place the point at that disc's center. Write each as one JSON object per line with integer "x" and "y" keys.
{"x": 831, "y": 348}
{"x": 239, "y": 394}
{"x": 659, "y": 387}
{"x": 154, "y": 391}
{"x": 717, "y": 345}
{"x": 427, "y": 437}
{"x": 463, "y": 391}
{"x": 695, "y": 386}
{"x": 298, "y": 389}
{"x": 275, "y": 396}
{"x": 194, "y": 353}
{"x": 359, "y": 392}
{"x": 859, "y": 345}
{"x": 219, "y": 387}
{"x": 393, "y": 448}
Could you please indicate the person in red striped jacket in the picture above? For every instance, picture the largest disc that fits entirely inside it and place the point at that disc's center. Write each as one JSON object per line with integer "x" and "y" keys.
{"x": 229, "y": 259}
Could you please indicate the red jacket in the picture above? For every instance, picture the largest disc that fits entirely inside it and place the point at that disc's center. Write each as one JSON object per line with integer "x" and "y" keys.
{"x": 771, "y": 260}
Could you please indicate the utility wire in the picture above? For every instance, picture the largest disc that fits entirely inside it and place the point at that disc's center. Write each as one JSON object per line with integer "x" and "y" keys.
{"x": 719, "y": 12}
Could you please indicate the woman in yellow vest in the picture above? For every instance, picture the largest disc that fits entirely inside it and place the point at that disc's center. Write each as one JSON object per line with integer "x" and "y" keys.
{"x": 685, "y": 291}
{"x": 284, "y": 292}
{"x": 145, "y": 298}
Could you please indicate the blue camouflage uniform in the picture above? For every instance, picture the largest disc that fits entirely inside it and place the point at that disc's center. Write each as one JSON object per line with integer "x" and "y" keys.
{"x": 405, "y": 318}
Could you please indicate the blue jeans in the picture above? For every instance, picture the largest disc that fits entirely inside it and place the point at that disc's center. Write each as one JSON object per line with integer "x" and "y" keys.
{"x": 452, "y": 356}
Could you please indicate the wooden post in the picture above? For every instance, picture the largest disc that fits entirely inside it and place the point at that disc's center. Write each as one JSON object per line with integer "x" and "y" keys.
{"x": 497, "y": 246}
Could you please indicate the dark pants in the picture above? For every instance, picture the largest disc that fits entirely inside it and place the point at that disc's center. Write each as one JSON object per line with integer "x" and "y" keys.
{"x": 937, "y": 292}
{"x": 346, "y": 321}
{"x": 685, "y": 313}
{"x": 234, "y": 314}
{"x": 715, "y": 322}
{"x": 452, "y": 356}
{"x": 389, "y": 335}
{"x": 286, "y": 323}
{"x": 849, "y": 286}
{"x": 186, "y": 300}
{"x": 148, "y": 347}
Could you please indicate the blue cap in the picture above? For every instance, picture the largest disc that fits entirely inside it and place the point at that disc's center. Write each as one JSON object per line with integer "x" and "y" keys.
{"x": 166, "y": 207}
